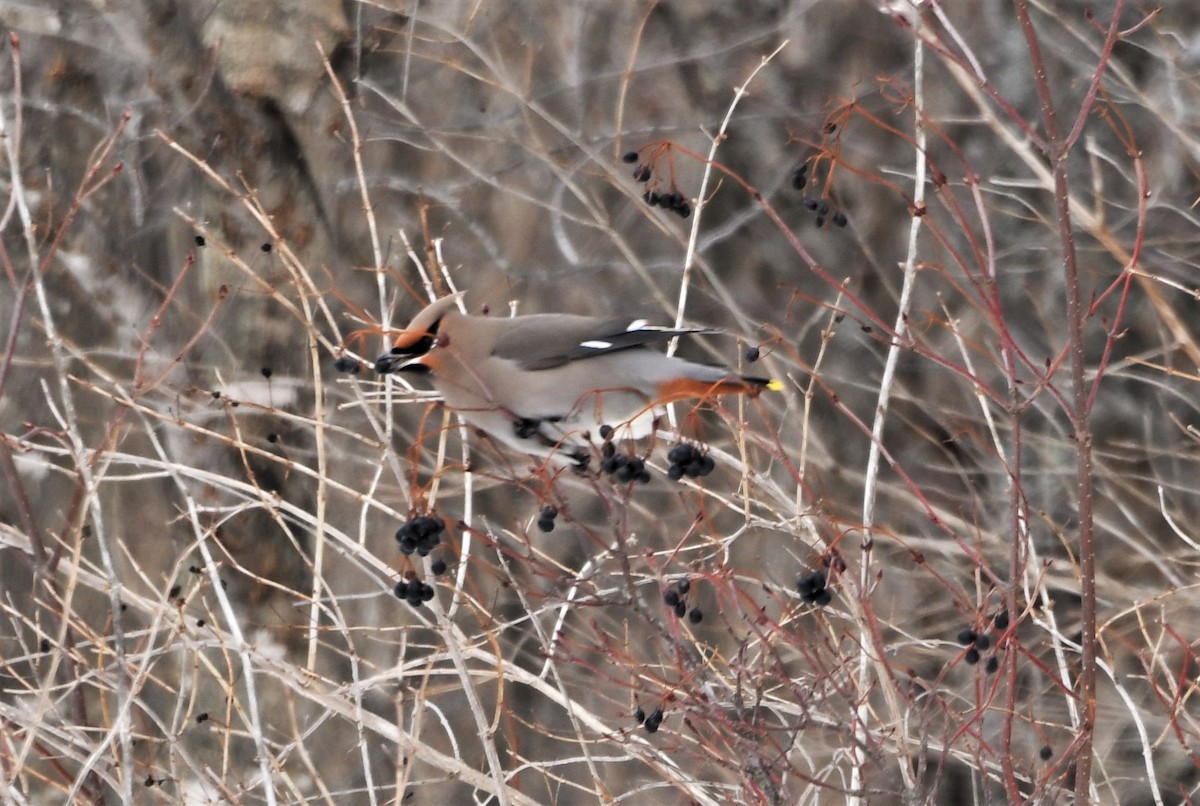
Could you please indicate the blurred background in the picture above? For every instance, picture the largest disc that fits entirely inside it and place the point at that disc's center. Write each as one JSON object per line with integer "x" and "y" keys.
{"x": 208, "y": 203}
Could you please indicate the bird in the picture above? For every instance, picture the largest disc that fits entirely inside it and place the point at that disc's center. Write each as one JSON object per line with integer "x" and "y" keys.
{"x": 548, "y": 384}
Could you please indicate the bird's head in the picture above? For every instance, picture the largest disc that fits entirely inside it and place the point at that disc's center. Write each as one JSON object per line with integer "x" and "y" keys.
{"x": 411, "y": 349}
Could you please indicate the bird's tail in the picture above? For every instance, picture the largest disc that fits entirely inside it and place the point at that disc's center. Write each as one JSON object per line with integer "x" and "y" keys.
{"x": 686, "y": 388}
{"x": 755, "y": 386}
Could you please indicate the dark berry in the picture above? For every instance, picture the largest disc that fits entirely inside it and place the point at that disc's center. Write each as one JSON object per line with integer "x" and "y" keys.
{"x": 346, "y": 364}
{"x": 993, "y": 663}
{"x": 546, "y": 524}
{"x": 839, "y": 219}
{"x": 643, "y": 477}
{"x": 810, "y": 204}
{"x": 684, "y": 210}
{"x": 799, "y": 180}
{"x": 752, "y": 354}
{"x": 819, "y": 221}
{"x": 811, "y": 586}
{"x": 982, "y": 642}
{"x": 421, "y": 534}
{"x": 265, "y": 247}
{"x": 971, "y": 656}
{"x": 630, "y": 157}
{"x": 199, "y": 240}
{"x": 642, "y": 173}
{"x": 671, "y": 598}
{"x": 680, "y": 609}
{"x": 639, "y": 715}
{"x": 606, "y": 431}
{"x": 414, "y": 591}
{"x": 654, "y": 720}
{"x": 695, "y": 615}
{"x": 684, "y": 585}
{"x": 550, "y": 513}
{"x": 822, "y": 208}
{"x": 651, "y": 198}
{"x": 1045, "y": 752}
{"x": 438, "y": 567}
{"x": 1001, "y": 621}
{"x": 674, "y": 472}
{"x": 681, "y": 453}
{"x": 823, "y": 598}
{"x": 966, "y": 636}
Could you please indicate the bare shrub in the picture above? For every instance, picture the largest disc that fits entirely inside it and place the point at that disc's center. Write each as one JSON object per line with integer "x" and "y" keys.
{"x": 951, "y": 561}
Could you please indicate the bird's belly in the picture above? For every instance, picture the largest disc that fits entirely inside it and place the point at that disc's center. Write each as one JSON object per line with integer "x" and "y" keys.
{"x": 551, "y": 424}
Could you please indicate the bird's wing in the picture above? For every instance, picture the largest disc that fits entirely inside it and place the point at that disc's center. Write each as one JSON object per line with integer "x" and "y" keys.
{"x": 545, "y": 341}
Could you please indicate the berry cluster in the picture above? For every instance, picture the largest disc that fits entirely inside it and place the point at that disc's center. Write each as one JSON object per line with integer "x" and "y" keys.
{"x": 420, "y": 534}
{"x": 672, "y": 200}
{"x": 822, "y": 209}
{"x": 414, "y": 591}
{"x": 812, "y": 589}
{"x": 675, "y": 599}
{"x": 546, "y": 519}
{"x": 977, "y": 642}
{"x": 688, "y": 460}
{"x": 345, "y": 363}
{"x": 815, "y": 205}
{"x": 623, "y": 467}
{"x": 650, "y": 723}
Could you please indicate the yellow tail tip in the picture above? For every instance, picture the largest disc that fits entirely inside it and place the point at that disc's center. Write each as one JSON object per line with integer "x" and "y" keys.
{"x": 775, "y": 385}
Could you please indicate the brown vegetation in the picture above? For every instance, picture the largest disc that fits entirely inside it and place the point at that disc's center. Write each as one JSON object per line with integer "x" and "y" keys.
{"x": 952, "y": 561}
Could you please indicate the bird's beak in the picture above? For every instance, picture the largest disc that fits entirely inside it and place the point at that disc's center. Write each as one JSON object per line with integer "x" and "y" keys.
{"x": 393, "y": 362}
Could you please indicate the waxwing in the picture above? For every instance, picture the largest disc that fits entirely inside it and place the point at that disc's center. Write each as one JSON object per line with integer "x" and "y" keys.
{"x": 546, "y": 384}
